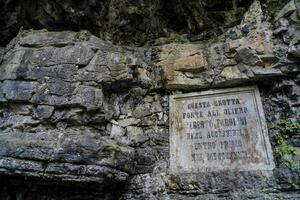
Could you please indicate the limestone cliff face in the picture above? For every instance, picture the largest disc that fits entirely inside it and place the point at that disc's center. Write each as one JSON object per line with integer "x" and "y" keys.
{"x": 83, "y": 118}
{"x": 123, "y": 22}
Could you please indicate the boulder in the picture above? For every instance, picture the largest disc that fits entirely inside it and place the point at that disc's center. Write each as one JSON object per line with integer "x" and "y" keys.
{"x": 248, "y": 56}
{"x": 286, "y": 10}
{"x": 19, "y": 90}
{"x": 67, "y": 155}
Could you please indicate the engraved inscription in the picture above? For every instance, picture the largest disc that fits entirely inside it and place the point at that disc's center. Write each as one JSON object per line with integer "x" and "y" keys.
{"x": 218, "y": 130}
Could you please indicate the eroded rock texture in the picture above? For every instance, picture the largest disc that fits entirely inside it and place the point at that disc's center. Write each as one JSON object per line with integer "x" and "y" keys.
{"x": 81, "y": 118}
{"x": 126, "y": 22}
{"x": 57, "y": 94}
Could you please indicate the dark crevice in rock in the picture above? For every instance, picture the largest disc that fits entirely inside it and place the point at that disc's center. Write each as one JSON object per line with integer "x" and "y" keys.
{"x": 216, "y": 5}
{"x": 16, "y": 187}
{"x": 127, "y": 22}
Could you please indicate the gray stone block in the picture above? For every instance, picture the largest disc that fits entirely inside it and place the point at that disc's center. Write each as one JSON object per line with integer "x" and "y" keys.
{"x": 19, "y": 90}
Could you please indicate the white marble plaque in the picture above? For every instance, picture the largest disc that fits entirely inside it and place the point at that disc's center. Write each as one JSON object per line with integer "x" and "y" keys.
{"x": 219, "y": 130}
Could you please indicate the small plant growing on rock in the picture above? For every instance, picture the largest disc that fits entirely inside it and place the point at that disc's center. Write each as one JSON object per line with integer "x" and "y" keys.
{"x": 287, "y": 129}
{"x": 287, "y": 152}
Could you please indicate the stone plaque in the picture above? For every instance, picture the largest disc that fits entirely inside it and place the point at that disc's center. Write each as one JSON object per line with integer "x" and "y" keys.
{"x": 219, "y": 130}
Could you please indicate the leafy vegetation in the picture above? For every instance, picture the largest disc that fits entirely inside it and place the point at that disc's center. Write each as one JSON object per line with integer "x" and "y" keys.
{"x": 273, "y": 6}
{"x": 287, "y": 152}
{"x": 286, "y": 129}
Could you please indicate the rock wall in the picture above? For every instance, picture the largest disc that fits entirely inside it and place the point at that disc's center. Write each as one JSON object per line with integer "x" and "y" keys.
{"x": 81, "y": 118}
{"x": 127, "y": 22}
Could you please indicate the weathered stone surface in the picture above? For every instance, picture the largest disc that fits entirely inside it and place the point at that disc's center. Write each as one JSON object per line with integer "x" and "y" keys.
{"x": 88, "y": 97}
{"x": 2, "y": 98}
{"x": 117, "y": 131}
{"x": 265, "y": 72}
{"x": 254, "y": 14}
{"x": 295, "y": 18}
{"x": 17, "y": 121}
{"x": 196, "y": 63}
{"x": 11, "y": 63}
{"x": 294, "y": 50}
{"x": 297, "y": 4}
{"x": 73, "y": 154}
{"x": 128, "y": 122}
{"x": 136, "y": 135}
{"x": 286, "y": 10}
{"x": 282, "y": 26}
{"x": 233, "y": 75}
{"x": 44, "y": 112}
{"x": 95, "y": 125}
{"x": 241, "y": 47}
{"x": 180, "y": 62}
{"x": 19, "y": 90}
{"x": 218, "y": 130}
{"x": 248, "y": 56}
{"x": 229, "y": 62}
{"x": 145, "y": 109}
{"x": 2, "y": 50}
{"x": 65, "y": 79}
{"x": 125, "y": 22}
{"x": 79, "y": 54}
{"x": 45, "y": 39}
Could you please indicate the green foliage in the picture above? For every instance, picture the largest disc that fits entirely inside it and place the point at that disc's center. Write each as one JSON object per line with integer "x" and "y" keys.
{"x": 285, "y": 130}
{"x": 273, "y": 6}
{"x": 287, "y": 152}
{"x": 286, "y": 149}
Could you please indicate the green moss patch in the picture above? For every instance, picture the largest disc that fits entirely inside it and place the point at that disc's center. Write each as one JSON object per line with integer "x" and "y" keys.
{"x": 286, "y": 130}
